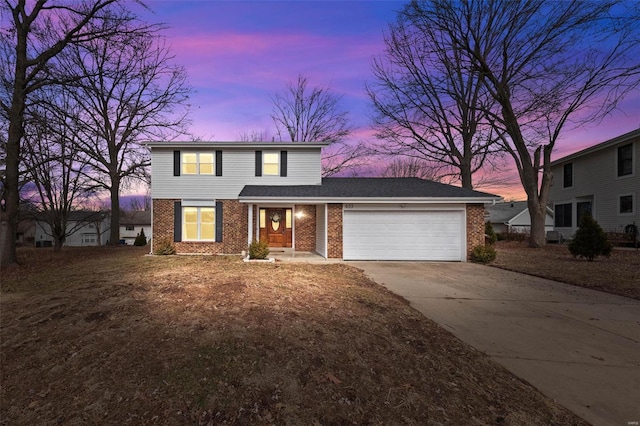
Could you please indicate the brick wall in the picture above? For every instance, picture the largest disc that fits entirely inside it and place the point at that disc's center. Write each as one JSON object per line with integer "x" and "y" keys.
{"x": 234, "y": 228}
{"x": 334, "y": 230}
{"x": 475, "y": 226}
{"x": 305, "y": 228}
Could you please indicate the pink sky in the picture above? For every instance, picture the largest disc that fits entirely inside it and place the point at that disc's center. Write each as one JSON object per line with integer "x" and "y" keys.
{"x": 239, "y": 53}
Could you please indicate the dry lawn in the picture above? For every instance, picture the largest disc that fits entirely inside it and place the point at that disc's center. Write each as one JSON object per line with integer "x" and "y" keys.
{"x": 110, "y": 336}
{"x": 618, "y": 274}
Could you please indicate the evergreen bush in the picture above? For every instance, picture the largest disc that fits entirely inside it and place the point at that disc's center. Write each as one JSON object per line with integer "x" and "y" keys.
{"x": 590, "y": 241}
{"x": 490, "y": 233}
{"x": 483, "y": 254}
{"x": 141, "y": 239}
{"x": 258, "y": 249}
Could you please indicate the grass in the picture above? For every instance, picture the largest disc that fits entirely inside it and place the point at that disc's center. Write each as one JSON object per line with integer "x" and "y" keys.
{"x": 110, "y": 336}
{"x": 619, "y": 274}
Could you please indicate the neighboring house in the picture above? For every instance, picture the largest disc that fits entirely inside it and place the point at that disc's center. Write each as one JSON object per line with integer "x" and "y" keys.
{"x": 131, "y": 223}
{"x": 216, "y": 197}
{"x": 603, "y": 180}
{"x": 514, "y": 217}
{"x": 26, "y": 232}
{"x": 86, "y": 228}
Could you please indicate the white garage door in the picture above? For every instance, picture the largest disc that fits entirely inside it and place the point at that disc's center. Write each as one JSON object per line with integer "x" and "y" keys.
{"x": 403, "y": 235}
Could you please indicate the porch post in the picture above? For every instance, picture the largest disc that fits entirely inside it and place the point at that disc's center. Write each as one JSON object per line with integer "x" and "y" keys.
{"x": 250, "y": 225}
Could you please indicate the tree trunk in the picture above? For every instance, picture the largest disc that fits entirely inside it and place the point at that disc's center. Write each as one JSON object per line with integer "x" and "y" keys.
{"x": 538, "y": 236}
{"x": 57, "y": 244}
{"x": 114, "y": 232}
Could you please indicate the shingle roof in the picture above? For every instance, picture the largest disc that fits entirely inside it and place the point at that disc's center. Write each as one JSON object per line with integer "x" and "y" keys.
{"x": 136, "y": 218}
{"x": 504, "y": 212}
{"x": 365, "y": 188}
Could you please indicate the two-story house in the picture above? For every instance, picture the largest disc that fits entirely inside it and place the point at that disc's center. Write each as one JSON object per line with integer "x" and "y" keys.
{"x": 217, "y": 197}
{"x": 132, "y": 223}
{"x": 603, "y": 180}
{"x": 84, "y": 228}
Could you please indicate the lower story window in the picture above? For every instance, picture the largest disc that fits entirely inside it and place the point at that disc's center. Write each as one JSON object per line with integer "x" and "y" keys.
{"x": 563, "y": 215}
{"x": 626, "y": 204}
{"x": 198, "y": 223}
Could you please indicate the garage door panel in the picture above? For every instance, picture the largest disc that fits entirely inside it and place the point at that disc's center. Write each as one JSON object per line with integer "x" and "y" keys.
{"x": 403, "y": 235}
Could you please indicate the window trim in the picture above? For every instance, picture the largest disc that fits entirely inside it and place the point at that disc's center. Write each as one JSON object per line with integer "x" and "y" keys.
{"x": 564, "y": 176}
{"x": 198, "y": 163}
{"x": 198, "y": 208}
{"x": 633, "y": 204}
{"x": 265, "y": 154}
{"x": 555, "y": 215}
{"x": 633, "y": 161}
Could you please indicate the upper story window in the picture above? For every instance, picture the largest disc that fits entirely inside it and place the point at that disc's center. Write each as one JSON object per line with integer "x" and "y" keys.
{"x": 271, "y": 163}
{"x": 198, "y": 163}
{"x": 129, "y": 228}
{"x": 625, "y": 160}
{"x": 563, "y": 215}
{"x": 567, "y": 175}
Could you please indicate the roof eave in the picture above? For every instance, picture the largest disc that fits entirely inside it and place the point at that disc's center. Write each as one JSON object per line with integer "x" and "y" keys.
{"x": 222, "y": 144}
{"x": 379, "y": 200}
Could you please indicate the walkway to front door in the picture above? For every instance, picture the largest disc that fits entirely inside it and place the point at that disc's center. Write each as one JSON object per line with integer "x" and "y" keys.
{"x": 276, "y": 226}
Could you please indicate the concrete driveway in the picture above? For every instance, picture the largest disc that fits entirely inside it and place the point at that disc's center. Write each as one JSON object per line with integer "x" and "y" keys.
{"x": 579, "y": 347}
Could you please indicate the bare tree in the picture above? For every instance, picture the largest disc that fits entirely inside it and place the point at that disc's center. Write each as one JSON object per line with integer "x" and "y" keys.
{"x": 33, "y": 34}
{"x": 54, "y": 163}
{"x": 547, "y": 66}
{"x": 411, "y": 167}
{"x": 428, "y": 102}
{"x": 304, "y": 114}
{"x": 253, "y": 136}
{"x": 130, "y": 91}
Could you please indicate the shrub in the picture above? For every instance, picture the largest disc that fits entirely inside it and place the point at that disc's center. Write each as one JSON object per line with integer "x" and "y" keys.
{"x": 483, "y": 254}
{"x": 164, "y": 246}
{"x": 141, "y": 239}
{"x": 489, "y": 233}
{"x": 258, "y": 249}
{"x": 512, "y": 236}
{"x": 590, "y": 241}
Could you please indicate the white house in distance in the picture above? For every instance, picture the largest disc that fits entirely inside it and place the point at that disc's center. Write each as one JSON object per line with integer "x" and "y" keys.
{"x": 131, "y": 223}
{"x": 514, "y": 217}
{"x": 87, "y": 228}
{"x": 603, "y": 180}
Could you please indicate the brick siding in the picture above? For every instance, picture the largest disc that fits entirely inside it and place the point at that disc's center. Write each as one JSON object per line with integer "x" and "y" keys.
{"x": 234, "y": 228}
{"x": 475, "y": 227}
{"x": 334, "y": 231}
{"x": 305, "y": 228}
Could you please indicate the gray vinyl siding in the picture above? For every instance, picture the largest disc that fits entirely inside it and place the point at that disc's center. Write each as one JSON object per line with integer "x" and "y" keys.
{"x": 595, "y": 178}
{"x": 321, "y": 230}
{"x": 238, "y": 165}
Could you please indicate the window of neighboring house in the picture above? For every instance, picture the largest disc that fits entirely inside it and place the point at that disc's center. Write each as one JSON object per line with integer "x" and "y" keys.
{"x": 568, "y": 175}
{"x": 626, "y": 204}
{"x": 198, "y": 223}
{"x": 129, "y": 228}
{"x": 198, "y": 163}
{"x": 563, "y": 215}
{"x": 583, "y": 208}
{"x": 625, "y": 160}
{"x": 271, "y": 163}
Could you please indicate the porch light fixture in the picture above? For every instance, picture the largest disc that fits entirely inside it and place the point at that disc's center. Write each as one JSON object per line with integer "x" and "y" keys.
{"x": 299, "y": 215}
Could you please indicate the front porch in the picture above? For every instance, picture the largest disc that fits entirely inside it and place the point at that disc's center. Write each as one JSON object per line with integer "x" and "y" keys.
{"x": 292, "y": 228}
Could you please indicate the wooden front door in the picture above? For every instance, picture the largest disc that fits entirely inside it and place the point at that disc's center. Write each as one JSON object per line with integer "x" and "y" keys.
{"x": 277, "y": 230}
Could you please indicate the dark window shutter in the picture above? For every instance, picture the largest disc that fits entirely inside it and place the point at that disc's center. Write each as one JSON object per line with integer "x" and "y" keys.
{"x": 177, "y": 221}
{"x": 176, "y": 163}
{"x": 218, "y": 163}
{"x": 258, "y": 163}
{"x": 283, "y": 163}
{"x": 219, "y": 221}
